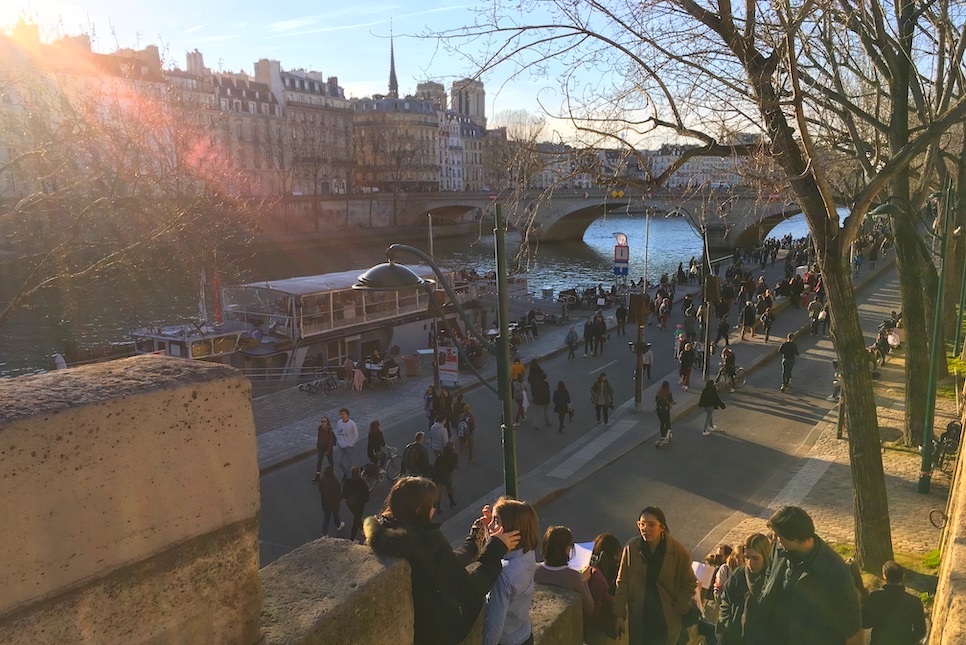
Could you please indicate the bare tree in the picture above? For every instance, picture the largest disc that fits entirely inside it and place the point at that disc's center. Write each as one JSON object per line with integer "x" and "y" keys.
{"x": 105, "y": 179}
{"x": 694, "y": 71}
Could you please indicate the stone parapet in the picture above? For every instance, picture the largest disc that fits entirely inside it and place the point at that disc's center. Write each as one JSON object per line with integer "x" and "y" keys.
{"x": 333, "y": 591}
{"x": 949, "y": 606}
{"x": 129, "y": 499}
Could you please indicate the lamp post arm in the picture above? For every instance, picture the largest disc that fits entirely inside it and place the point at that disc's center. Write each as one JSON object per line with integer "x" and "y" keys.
{"x": 470, "y": 326}
{"x": 459, "y": 348}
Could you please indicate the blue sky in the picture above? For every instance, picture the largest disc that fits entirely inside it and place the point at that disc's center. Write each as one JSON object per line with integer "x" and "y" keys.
{"x": 344, "y": 39}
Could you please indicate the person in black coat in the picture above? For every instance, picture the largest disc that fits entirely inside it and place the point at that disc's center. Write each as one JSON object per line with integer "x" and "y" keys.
{"x": 376, "y": 445}
{"x": 895, "y": 616}
{"x": 443, "y": 469}
{"x": 448, "y": 586}
{"x": 710, "y": 400}
{"x": 356, "y": 493}
{"x": 561, "y": 404}
{"x": 330, "y": 493}
{"x": 541, "y": 398}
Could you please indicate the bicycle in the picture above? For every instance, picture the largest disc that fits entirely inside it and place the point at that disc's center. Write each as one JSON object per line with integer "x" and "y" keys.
{"x": 723, "y": 377}
{"x": 322, "y": 379}
{"x": 373, "y": 475}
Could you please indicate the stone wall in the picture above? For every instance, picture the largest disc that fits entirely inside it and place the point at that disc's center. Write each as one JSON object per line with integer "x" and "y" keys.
{"x": 129, "y": 497}
{"x": 949, "y": 606}
{"x": 333, "y": 591}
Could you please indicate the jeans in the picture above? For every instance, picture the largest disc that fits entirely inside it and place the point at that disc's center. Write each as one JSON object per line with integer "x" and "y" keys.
{"x": 318, "y": 462}
{"x": 647, "y": 369}
{"x": 343, "y": 459}
{"x": 356, "y": 521}
{"x": 521, "y": 413}
{"x": 560, "y": 416}
{"x": 546, "y": 415}
{"x": 620, "y": 327}
{"x": 664, "y": 416}
{"x": 708, "y": 418}
{"x": 787, "y": 365}
{"x": 327, "y": 516}
{"x": 604, "y": 409}
{"x": 466, "y": 446}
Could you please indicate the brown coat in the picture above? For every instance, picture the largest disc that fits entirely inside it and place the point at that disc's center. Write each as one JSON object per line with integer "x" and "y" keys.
{"x": 676, "y": 584}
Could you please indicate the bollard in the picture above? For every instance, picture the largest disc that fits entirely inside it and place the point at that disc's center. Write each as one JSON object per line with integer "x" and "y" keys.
{"x": 841, "y": 420}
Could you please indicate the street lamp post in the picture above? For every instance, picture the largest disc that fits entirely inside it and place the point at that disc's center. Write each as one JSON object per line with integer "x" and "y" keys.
{"x": 395, "y": 277}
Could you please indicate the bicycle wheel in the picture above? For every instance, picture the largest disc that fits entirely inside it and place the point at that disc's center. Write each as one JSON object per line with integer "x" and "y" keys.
{"x": 721, "y": 378}
{"x": 938, "y": 518}
{"x": 392, "y": 468}
{"x": 328, "y": 385}
{"x": 740, "y": 377}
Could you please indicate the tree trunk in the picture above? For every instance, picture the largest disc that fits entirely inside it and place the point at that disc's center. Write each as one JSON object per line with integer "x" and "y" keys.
{"x": 916, "y": 323}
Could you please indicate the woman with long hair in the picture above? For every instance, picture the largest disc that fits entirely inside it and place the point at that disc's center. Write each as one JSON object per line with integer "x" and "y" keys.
{"x": 561, "y": 404}
{"x": 655, "y": 583}
{"x": 376, "y": 445}
{"x": 557, "y": 549}
{"x": 507, "y": 617}
{"x": 663, "y": 401}
{"x": 604, "y": 563}
{"x": 710, "y": 401}
{"x": 448, "y": 586}
{"x": 739, "y": 622}
{"x": 430, "y": 403}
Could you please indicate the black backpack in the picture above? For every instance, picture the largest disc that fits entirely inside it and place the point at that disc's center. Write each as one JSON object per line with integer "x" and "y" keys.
{"x": 410, "y": 460}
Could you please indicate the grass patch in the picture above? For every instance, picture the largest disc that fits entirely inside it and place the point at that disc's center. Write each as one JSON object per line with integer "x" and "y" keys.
{"x": 921, "y": 570}
{"x": 931, "y": 561}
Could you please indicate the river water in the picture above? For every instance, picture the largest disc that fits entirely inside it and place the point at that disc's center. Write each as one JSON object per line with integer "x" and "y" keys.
{"x": 108, "y": 314}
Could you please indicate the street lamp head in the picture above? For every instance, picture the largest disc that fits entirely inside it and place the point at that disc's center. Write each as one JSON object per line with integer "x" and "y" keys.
{"x": 390, "y": 276}
{"x": 886, "y": 209}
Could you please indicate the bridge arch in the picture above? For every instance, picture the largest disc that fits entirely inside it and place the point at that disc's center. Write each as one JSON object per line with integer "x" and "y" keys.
{"x": 755, "y": 233}
{"x": 569, "y": 223}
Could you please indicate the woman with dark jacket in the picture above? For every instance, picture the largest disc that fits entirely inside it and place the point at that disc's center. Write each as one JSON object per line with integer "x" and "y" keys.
{"x": 533, "y": 376}
{"x": 448, "y": 586}
{"x": 710, "y": 400}
{"x": 444, "y": 404}
{"x": 430, "y": 402}
{"x": 738, "y": 622}
{"x": 323, "y": 444}
{"x": 663, "y": 401}
{"x": 356, "y": 493}
{"x": 655, "y": 583}
{"x": 561, "y": 403}
{"x": 330, "y": 493}
{"x": 376, "y": 445}
{"x": 687, "y": 362}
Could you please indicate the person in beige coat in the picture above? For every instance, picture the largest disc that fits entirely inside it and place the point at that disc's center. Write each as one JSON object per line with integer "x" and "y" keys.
{"x": 655, "y": 583}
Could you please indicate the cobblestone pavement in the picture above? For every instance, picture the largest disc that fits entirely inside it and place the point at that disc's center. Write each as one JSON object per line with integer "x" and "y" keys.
{"x": 823, "y": 484}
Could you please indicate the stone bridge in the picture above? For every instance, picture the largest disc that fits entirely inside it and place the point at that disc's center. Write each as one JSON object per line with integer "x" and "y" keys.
{"x": 733, "y": 217}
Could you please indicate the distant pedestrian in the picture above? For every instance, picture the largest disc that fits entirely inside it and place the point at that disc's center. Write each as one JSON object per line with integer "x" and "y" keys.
{"x": 541, "y": 397}
{"x": 330, "y": 493}
{"x": 561, "y": 404}
{"x": 767, "y": 320}
{"x": 748, "y": 316}
{"x": 376, "y": 446}
{"x": 533, "y": 376}
{"x": 789, "y": 351}
{"x": 710, "y": 401}
{"x": 729, "y": 363}
{"x": 519, "y": 392}
{"x": 687, "y": 362}
{"x": 324, "y": 443}
{"x": 438, "y": 436}
{"x": 415, "y": 457}
{"x": 873, "y": 255}
{"x": 588, "y": 335}
{"x": 724, "y": 329}
{"x": 602, "y": 396}
{"x": 429, "y": 405}
{"x": 621, "y": 315}
{"x": 444, "y": 405}
{"x": 663, "y": 401}
{"x": 894, "y": 615}
{"x": 664, "y": 313}
{"x": 517, "y": 368}
{"x": 442, "y": 472}
{"x": 465, "y": 428}
{"x": 571, "y": 341}
{"x": 647, "y": 360}
{"x": 600, "y": 334}
{"x": 814, "y": 311}
{"x": 825, "y": 318}
{"x": 356, "y": 493}
{"x": 346, "y": 436}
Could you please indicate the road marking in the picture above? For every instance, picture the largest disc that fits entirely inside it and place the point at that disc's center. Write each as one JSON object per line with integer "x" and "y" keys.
{"x": 583, "y": 456}
{"x": 603, "y": 366}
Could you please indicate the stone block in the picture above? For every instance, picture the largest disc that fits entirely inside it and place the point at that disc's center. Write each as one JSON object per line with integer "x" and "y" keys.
{"x": 130, "y": 496}
{"x": 333, "y": 591}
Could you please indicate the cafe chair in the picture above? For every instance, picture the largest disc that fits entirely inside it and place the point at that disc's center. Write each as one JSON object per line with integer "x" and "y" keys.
{"x": 391, "y": 375}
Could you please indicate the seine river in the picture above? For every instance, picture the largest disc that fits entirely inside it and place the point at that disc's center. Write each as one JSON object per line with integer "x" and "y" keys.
{"x": 108, "y": 314}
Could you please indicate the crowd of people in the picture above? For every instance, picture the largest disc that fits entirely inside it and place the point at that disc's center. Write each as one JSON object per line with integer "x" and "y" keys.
{"x": 786, "y": 587}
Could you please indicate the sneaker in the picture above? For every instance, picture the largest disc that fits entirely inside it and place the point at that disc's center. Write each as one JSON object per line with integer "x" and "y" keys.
{"x": 732, "y": 389}
{"x": 706, "y": 433}
{"x": 831, "y": 397}
{"x": 340, "y": 527}
{"x": 685, "y": 388}
{"x": 317, "y": 477}
{"x": 585, "y": 355}
{"x": 664, "y": 441}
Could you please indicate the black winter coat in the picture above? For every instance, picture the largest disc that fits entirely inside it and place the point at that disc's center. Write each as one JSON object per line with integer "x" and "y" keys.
{"x": 448, "y": 586}
{"x": 541, "y": 393}
{"x": 710, "y": 399}
{"x": 331, "y": 494}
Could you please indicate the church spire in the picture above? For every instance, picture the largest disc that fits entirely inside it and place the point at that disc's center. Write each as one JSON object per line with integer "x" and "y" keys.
{"x": 393, "y": 83}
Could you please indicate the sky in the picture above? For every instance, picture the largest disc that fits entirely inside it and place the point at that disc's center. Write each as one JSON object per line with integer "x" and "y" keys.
{"x": 345, "y": 39}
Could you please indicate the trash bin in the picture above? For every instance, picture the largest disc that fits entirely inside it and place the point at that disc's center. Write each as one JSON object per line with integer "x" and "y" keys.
{"x": 412, "y": 365}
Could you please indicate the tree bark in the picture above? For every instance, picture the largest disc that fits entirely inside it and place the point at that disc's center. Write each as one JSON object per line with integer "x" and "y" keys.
{"x": 916, "y": 323}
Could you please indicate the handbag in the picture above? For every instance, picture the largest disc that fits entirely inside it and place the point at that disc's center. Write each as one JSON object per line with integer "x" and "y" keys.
{"x": 570, "y": 411}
